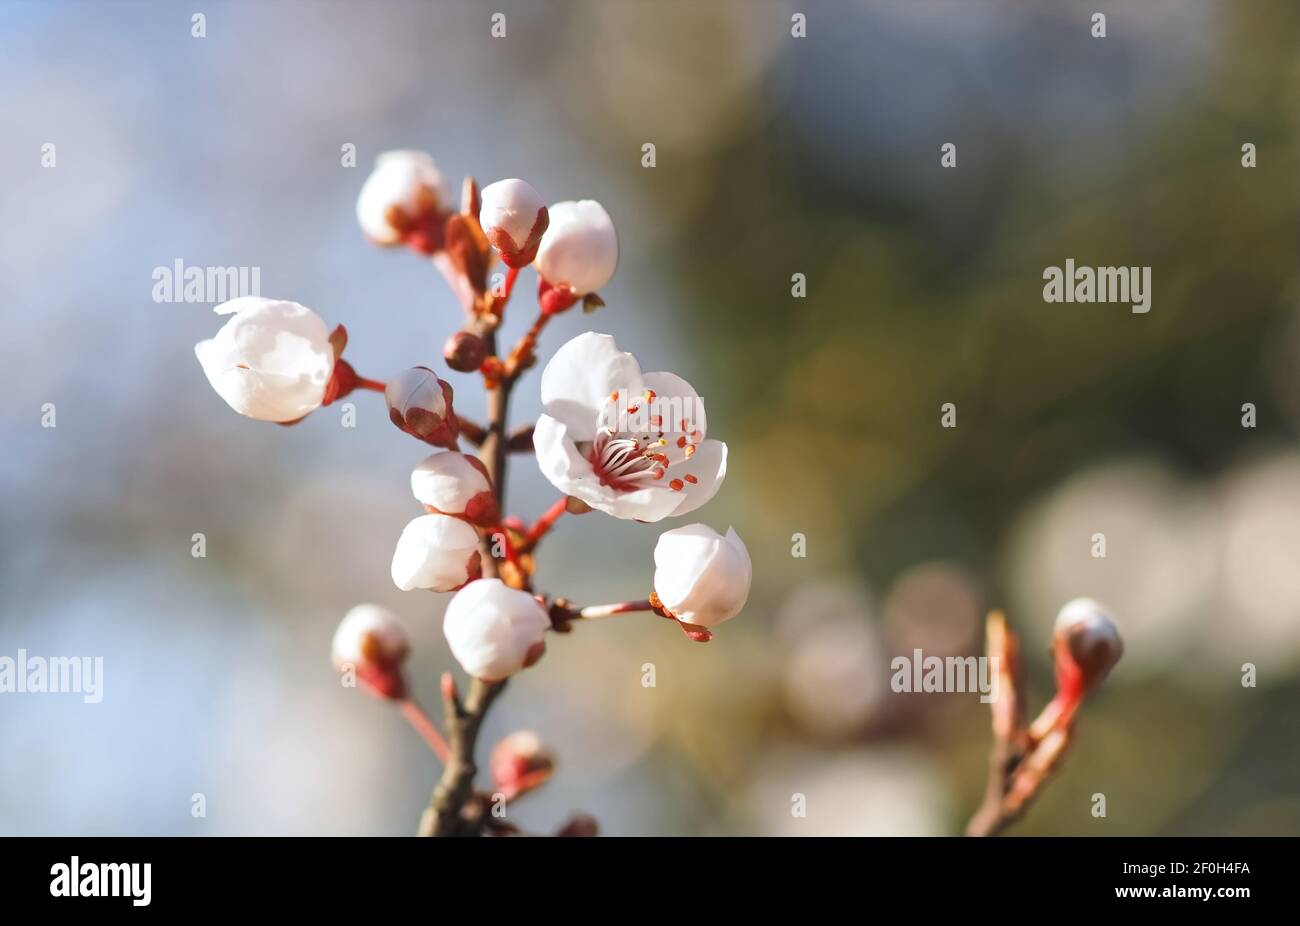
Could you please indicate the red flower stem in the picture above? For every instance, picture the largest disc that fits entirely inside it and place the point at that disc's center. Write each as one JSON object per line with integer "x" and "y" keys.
{"x": 512, "y": 274}
{"x": 420, "y": 721}
{"x": 545, "y": 522}
{"x": 512, "y": 555}
{"x": 372, "y": 384}
{"x": 609, "y": 610}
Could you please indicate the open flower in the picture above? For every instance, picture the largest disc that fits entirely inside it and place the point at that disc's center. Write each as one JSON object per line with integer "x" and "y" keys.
{"x": 494, "y": 630}
{"x": 1086, "y": 646}
{"x": 627, "y": 443}
{"x": 579, "y": 251}
{"x": 437, "y": 552}
{"x": 404, "y": 195}
{"x": 701, "y": 576}
{"x": 452, "y": 483}
{"x": 272, "y": 360}
{"x": 513, "y": 216}
{"x": 372, "y": 642}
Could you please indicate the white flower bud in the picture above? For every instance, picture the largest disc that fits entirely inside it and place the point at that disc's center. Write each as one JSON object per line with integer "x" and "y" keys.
{"x": 453, "y": 483}
{"x": 494, "y": 630}
{"x": 436, "y": 552}
{"x": 402, "y": 194}
{"x": 421, "y": 405}
{"x": 371, "y": 640}
{"x": 701, "y": 577}
{"x": 272, "y": 360}
{"x": 580, "y": 247}
{"x": 513, "y": 216}
{"x": 1087, "y": 645}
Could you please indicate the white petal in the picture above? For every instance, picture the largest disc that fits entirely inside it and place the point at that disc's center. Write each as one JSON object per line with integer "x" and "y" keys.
{"x": 709, "y": 467}
{"x": 448, "y": 481}
{"x": 581, "y": 377}
{"x": 677, "y": 403}
{"x": 557, "y": 457}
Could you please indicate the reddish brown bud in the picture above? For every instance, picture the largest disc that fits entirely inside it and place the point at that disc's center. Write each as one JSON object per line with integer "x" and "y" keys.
{"x": 1086, "y": 646}
{"x": 580, "y": 824}
{"x": 465, "y": 351}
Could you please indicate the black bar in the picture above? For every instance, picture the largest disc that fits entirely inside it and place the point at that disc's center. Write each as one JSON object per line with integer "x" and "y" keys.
{"x": 333, "y": 875}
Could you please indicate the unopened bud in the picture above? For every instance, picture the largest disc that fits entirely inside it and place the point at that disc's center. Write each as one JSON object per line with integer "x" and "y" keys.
{"x": 580, "y": 824}
{"x": 452, "y": 483}
{"x": 371, "y": 641}
{"x": 513, "y": 216}
{"x": 465, "y": 351}
{"x": 1086, "y": 645}
{"x": 518, "y": 763}
{"x": 579, "y": 250}
{"x": 403, "y": 200}
{"x": 420, "y": 404}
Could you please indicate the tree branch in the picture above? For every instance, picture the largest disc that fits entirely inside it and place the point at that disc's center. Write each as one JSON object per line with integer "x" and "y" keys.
{"x": 446, "y": 814}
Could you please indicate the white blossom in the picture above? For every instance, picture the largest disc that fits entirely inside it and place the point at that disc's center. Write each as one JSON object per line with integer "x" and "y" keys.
{"x": 272, "y": 360}
{"x": 456, "y": 484}
{"x": 629, "y": 444}
{"x": 580, "y": 247}
{"x": 494, "y": 630}
{"x": 701, "y": 576}
{"x": 437, "y": 552}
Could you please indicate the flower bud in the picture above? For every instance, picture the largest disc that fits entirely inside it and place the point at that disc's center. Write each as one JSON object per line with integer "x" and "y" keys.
{"x": 455, "y": 484}
{"x": 519, "y": 764}
{"x": 272, "y": 360}
{"x": 371, "y": 640}
{"x": 579, "y": 250}
{"x": 421, "y": 405}
{"x": 436, "y": 552}
{"x": 494, "y": 630}
{"x": 465, "y": 351}
{"x": 701, "y": 577}
{"x": 1086, "y": 644}
{"x": 513, "y": 216}
{"x": 403, "y": 199}
{"x": 580, "y": 824}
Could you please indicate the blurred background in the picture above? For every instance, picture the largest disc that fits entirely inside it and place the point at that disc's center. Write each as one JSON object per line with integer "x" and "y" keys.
{"x": 775, "y": 156}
